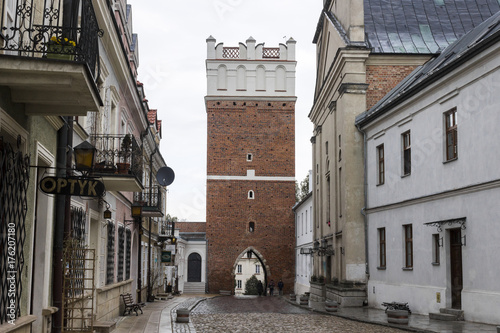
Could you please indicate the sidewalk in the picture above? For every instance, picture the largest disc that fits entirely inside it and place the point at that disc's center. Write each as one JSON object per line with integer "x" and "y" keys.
{"x": 160, "y": 317}
{"x": 417, "y": 323}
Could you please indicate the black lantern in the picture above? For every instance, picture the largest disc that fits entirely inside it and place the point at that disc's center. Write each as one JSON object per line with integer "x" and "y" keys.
{"x": 84, "y": 156}
{"x": 107, "y": 213}
{"x": 136, "y": 210}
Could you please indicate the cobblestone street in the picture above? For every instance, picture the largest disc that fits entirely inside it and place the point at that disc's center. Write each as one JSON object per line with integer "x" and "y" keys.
{"x": 266, "y": 314}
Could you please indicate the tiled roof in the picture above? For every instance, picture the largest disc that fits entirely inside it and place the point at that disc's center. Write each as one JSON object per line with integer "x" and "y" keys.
{"x": 152, "y": 116}
{"x": 477, "y": 40}
{"x": 422, "y": 26}
{"x": 415, "y": 26}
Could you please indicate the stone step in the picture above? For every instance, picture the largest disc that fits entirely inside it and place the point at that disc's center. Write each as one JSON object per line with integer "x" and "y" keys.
{"x": 442, "y": 316}
{"x": 194, "y": 288}
{"x": 104, "y": 326}
{"x": 455, "y": 312}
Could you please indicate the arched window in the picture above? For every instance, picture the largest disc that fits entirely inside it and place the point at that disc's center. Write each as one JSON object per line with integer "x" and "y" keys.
{"x": 222, "y": 77}
{"x": 280, "y": 79}
{"x": 241, "y": 78}
{"x": 251, "y": 227}
{"x": 251, "y": 195}
{"x": 261, "y": 78}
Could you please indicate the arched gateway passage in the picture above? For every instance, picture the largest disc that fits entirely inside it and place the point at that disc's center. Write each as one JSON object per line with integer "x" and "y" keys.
{"x": 250, "y": 262}
{"x": 194, "y": 267}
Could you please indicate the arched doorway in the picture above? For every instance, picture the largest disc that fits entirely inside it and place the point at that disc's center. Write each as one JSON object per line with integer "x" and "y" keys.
{"x": 194, "y": 268}
{"x": 249, "y": 263}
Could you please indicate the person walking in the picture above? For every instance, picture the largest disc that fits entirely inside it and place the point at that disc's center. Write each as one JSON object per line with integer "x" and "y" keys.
{"x": 260, "y": 288}
{"x": 271, "y": 288}
{"x": 280, "y": 287}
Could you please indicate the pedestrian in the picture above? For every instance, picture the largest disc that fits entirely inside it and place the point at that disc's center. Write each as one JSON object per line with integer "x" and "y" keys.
{"x": 260, "y": 288}
{"x": 271, "y": 288}
{"x": 280, "y": 287}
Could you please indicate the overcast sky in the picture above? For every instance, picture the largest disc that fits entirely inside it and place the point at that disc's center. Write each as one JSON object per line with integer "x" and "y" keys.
{"x": 172, "y": 53}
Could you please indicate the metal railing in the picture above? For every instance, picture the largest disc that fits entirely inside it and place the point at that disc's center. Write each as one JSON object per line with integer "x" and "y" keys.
{"x": 55, "y": 30}
{"x": 271, "y": 52}
{"x": 166, "y": 228}
{"x": 150, "y": 198}
{"x": 117, "y": 154}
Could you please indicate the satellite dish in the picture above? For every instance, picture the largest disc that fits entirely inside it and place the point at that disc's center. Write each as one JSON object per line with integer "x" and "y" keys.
{"x": 165, "y": 176}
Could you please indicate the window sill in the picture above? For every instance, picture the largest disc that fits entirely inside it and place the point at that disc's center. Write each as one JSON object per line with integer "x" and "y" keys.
{"x": 451, "y": 160}
{"x": 380, "y": 184}
{"x": 381, "y": 268}
{"x": 407, "y": 268}
{"x": 407, "y": 175}
{"x": 436, "y": 264}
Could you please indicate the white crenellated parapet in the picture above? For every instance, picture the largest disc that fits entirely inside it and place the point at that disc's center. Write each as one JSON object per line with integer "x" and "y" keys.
{"x": 251, "y": 69}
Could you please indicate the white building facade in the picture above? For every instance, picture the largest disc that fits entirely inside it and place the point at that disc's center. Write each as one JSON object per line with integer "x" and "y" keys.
{"x": 304, "y": 235}
{"x": 433, "y": 183}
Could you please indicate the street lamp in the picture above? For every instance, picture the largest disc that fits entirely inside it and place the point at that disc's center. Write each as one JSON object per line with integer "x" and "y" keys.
{"x": 84, "y": 156}
{"x": 136, "y": 210}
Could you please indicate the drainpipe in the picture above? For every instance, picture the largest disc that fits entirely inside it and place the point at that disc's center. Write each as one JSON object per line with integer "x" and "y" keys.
{"x": 62, "y": 220}
{"x": 150, "y": 287}
{"x": 363, "y": 210}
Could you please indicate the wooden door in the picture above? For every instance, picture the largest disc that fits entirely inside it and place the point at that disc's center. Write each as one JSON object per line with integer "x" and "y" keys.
{"x": 194, "y": 267}
{"x": 456, "y": 268}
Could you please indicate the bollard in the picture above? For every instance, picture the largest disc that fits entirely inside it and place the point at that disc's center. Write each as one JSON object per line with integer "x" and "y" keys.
{"x": 183, "y": 315}
{"x": 304, "y": 300}
{"x": 293, "y": 297}
{"x": 397, "y": 317}
{"x": 331, "y": 306}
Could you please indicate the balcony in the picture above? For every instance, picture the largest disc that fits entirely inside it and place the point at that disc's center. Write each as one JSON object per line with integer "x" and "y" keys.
{"x": 166, "y": 229}
{"x": 48, "y": 57}
{"x": 151, "y": 200}
{"x": 118, "y": 161}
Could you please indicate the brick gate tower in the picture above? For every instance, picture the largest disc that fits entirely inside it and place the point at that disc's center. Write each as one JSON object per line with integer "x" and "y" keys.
{"x": 250, "y": 107}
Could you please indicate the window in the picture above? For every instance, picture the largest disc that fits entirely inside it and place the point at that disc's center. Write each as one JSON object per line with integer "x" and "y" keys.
{"x": 251, "y": 195}
{"x": 121, "y": 251}
{"x": 451, "y": 134}
{"x": 406, "y": 153}
{"x": 380, "y": 165}
{"x": 341, "y": 201}
{"x": 127, "y": 253}
{"x": 381, "y": 245}
{"x": 239, "y": 269}
{"x": 251, "y": 227}
{"x": 238, "y": 284}
{"x": 435, "y": 249}
{"x": 249, "y": 157}
{"x": 326, "y": 148}
{"x": 408, "y": 245}
{"x": 110, "y": 259}
{"x": 257, "y": 269}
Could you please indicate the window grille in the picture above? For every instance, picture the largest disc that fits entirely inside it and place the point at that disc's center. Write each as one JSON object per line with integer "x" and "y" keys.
{"x": 127, "y": 253}
{"x": 121, "y": 251}
{"x": 14, "y": 179}
{"x": 110, "y": 262}
{"x": 408, "y": 246}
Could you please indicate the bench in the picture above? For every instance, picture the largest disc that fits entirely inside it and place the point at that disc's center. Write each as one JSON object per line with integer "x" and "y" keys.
{"x": 396, "y": 306}
{"x": 130, "y": 305}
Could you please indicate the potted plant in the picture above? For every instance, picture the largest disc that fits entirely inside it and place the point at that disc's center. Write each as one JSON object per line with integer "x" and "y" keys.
{"x": 61, "y": 48}
{"x": 125, "y": 151}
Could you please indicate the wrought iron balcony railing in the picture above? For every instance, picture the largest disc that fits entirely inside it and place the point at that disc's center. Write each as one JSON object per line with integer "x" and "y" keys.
{"x": 151, "y": 199}
{"x": 166, "y": 228}
{"x": 118, "y": 155}
{"x": 56, "y": 30}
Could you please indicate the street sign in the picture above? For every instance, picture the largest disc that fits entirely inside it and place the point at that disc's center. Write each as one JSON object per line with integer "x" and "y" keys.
{"x": 166, "y": 256}
{"x": 85, "y": 187}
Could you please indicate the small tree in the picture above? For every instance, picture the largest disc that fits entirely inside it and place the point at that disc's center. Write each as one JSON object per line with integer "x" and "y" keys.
{"x": 302, "y": 190}
{"x": 251, "y": 286}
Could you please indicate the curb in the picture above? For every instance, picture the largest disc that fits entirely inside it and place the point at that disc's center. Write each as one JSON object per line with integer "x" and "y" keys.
{"x": 340, "y": 315}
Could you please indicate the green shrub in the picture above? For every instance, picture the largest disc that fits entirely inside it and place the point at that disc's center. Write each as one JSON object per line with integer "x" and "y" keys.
{"x": 251, "y": 286}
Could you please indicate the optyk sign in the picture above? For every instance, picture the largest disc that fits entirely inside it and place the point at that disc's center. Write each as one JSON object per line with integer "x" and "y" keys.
{"x": 85, "y": 187}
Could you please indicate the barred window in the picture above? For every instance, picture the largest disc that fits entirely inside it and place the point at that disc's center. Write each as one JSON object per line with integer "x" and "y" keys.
{"x": 127, "y": 253}
{"x": 110, "y": 262}
{"x": 408, "y": 250}
{"x": 121, "y": 252}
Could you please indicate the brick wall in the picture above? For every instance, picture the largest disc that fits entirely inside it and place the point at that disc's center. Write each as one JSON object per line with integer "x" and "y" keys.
{"x": 265, "y": 130}
{"x": 382, "y": 79}
{"x": 191, "y": 226}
